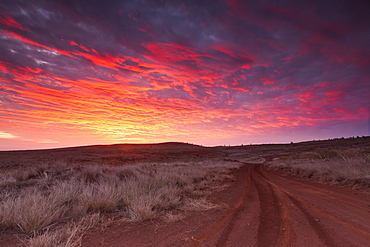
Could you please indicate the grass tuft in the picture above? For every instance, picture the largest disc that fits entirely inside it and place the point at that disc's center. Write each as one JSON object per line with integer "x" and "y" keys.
{"x": 51, "y": 203}
{"x": 349, "y": 168}
{"x": 31, "y": 213}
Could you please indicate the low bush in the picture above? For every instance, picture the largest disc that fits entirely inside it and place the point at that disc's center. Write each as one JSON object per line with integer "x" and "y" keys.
{"x": 31, "y": 212}
{"x": 45, "y": 201}
{"x": 336, "y": 167}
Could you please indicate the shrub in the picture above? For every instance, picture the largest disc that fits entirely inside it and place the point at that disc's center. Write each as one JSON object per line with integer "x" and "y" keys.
{"x": 340, "y": 167}
{"x": 46, "y": 200}
{"x": 67, "y": 236}
{"x": 31, "y": 213}
{"x": 91, "y": 174}
{"x": 327, "y": 154}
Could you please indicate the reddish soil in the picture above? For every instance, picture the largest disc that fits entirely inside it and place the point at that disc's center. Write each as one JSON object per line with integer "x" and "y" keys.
{"x": 259, "y": 208}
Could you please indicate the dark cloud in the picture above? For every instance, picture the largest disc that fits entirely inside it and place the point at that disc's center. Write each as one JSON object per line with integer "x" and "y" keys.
{"x": 257, "y": 66}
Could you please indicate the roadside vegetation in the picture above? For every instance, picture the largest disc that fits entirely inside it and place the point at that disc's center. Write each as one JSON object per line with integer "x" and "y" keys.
{"x": 55, "y": 203}
{"x": 346, "y": 167}
{"x": 53, "y": 197}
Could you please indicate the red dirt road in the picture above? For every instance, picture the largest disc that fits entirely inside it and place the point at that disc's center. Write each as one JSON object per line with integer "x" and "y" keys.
{"x": 259, "y": 208}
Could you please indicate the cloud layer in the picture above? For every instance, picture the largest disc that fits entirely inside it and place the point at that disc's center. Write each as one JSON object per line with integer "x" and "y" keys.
{"x": 208, "y": 72}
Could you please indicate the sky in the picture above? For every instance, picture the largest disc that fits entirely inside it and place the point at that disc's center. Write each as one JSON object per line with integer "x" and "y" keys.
{"x": 209, "y": 72}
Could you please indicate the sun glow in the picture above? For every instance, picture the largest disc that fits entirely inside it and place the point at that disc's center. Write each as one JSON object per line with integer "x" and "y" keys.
{"x": 238, "y": 75}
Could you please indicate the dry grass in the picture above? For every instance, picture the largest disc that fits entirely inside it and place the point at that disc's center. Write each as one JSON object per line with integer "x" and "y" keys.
{"x": 54, "y": 196}
{"x": 69, "y": 235}
{"x": 31, "y": 212}
{"x": 51, "y": 203}
{"x": 345, "y": 167}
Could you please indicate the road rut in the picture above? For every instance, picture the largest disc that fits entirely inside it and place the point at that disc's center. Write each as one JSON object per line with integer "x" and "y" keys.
{"x": 260, "y": 208}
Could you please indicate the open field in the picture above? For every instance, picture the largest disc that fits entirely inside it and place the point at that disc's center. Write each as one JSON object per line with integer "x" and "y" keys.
{"x": 50, "y": 198}
{"x": 55, "y": 197}
{"x": 349, "y": 166}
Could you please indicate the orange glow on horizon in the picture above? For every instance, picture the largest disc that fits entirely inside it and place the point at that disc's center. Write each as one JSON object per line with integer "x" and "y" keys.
{"x": 228, "y": 73}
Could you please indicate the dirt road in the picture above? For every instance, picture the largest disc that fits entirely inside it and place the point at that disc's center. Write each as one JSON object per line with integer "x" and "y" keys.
{"x": 259, "y": 208}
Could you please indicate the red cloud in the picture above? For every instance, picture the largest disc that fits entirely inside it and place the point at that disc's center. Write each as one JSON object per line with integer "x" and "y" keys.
{"x": 10, "y": 22}
{"x": 169, "y": 52}
{"x": 81, "y": 46}
{"x": 201, "y": 90}
{"x": 25, "y": 40}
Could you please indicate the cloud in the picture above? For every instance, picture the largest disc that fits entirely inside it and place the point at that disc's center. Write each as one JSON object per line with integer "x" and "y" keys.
{"x": 43, "y": 141}
{"x": 11, "y": 23}
{"x": 4, "y": 135}
{"x": 174, "y": 68}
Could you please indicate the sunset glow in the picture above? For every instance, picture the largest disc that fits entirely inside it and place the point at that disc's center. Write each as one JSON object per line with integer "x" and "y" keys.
{"x": 207, "y": 72}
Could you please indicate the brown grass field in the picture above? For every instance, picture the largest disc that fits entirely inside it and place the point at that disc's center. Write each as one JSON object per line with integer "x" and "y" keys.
{"x": 53, "y": 197}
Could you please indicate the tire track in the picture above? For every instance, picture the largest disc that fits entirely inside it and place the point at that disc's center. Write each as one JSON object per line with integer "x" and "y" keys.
{"x": 317, "y": 192}
{"x": 320, "y": 231}
{"x": 231, "y": 223}
{"x": 299, "y": 202}
{"x": 226, "y": 223}
{"x": 275, "y": 221}
{"x": 270, "y": 226}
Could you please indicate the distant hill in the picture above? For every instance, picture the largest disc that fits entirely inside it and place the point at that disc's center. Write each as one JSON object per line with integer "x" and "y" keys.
{"x": 121, "y": 154}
